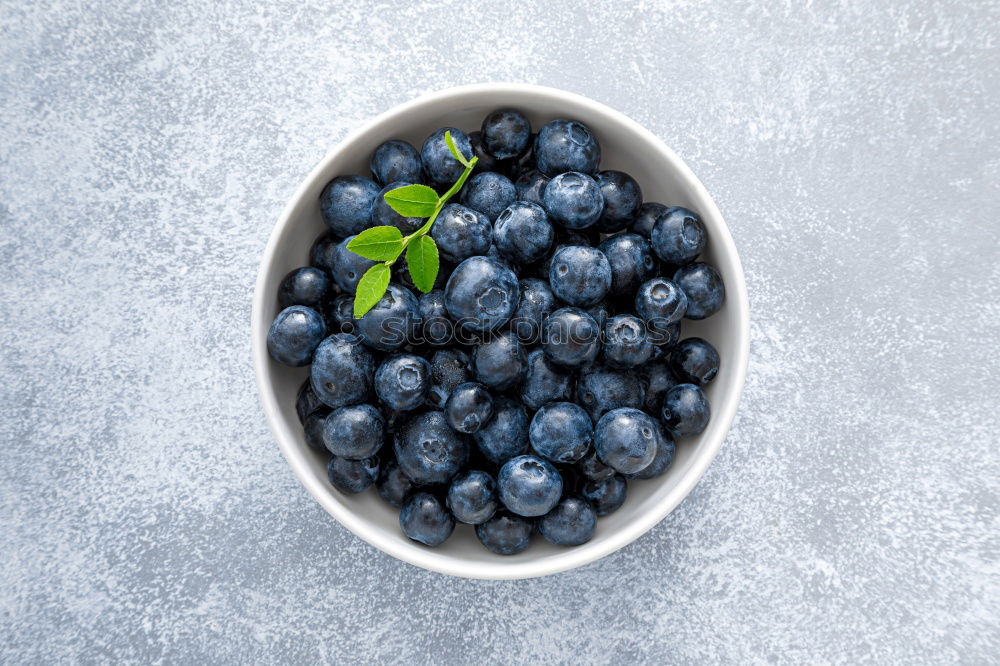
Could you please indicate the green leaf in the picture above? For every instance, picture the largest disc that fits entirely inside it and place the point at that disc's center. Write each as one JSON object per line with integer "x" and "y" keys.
{"x": 378, "y": 243}
{"x": 371, "y": 287}
{"x": 422, "y": 260}
{"x": 454, "y": 151}
{"x": 412, "y": 200}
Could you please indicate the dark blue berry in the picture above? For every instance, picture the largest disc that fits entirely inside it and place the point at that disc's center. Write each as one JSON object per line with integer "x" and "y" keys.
{"x": 393, "y": 485}
{"x": 307, "y": 286}
{"x": 306, "y": 402}
{"x": 435, "y": 326}
{"x": 602, "y": 388}
{"x": 571, "y": 338}
{"x": 505, "y": 533}
{"x": 396, "y": 160}
{"x": 566, "y": 145}
{"x": 622, "y": 199}
{"x": 561, "y": 432}
{"x": 340, "y": 314}
{"x": 506, "y": 133}
{"x": 523, "y": 233}
{"x": 678, "y": 236}
{"x": 423, "y": 519}
{"x": 664, "y": 458}
{"x": 626, "y": 439}
{"x": 544, "y": 381}
{"x": 355, "y": 432}
{"x": 500, "y": 361}
{"x": 384, "y": 215}
{"x": 472, "y": 497}
{"x": 461, "y": 232}
{"x": 486, "y": 161}
{"x": 348, "y": 267}
{"x": 469, "y": 407}
{"x": 529, "y": 486}
{"x": 646, "y": 218}
{"x": 632, "y": 262}
{"x": 294, "y": 335}
{"x": 626, "y": 344}
{"x": 346, "y": 204}
{"x": 489, "y": 193}
{"x": 428, "y": 451}
{"x": 393, "y": 322}
{"x": 580, "y": 276}
{"x": 403, "y": 381}
{"x": 536, "y": 304}
{"x": 481, "y": 294}
{"x": 600, "y": 312}
{"x": 694, "y": 361}
{"x": 506, "y": 435}
{"x": 313, "y": 428}
{"x": 530, "y": 186}
{"x": 570, "y": 523}
{"x": 352, "y": 476}
{"x": 607, "y": 495}
{"x": 441, "y": 169}
{"x": 342, "y": 370}
{"x": 657, "y": 378}
{"x": 704, "y": 289}
{"x": 574, "y": 200}
{"x": 449, "y": 369}
{"x": 590, "y": 467}
{"x": 660, "y": 303}
{"x": 321, "y": 255}
{"x": 685, "y": 410}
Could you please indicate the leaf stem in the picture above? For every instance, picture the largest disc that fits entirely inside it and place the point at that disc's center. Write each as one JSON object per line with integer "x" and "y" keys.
{"x": 452, "y": 191}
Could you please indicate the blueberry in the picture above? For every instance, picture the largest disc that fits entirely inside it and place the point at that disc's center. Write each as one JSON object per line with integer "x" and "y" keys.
{"x": 566, "y": 145}
{"x": 346, "y": 203}
{"x": 607, "y": 495}
{"x": 472, "y": 497}
{"x": 602, "y": 388}
{"x": 704, "y": 289}
{"x": 685, "y": 410}
{"x": 306, "y": 402}
{"x": 435, "y": 326}
{"x": 501, "y": 362}
{"x": 441, "y": 169}
{"x": 523, "y": 233}
{"x": 486, "y": 161}
{"x": 348, "y": 267}
{"x": 571, "y": 523}
{"x": 393, "y": 322}
{"x": 354, "y": 433}
{"x": 530, "y": 186}
{"x": 600, "y": 312}
{"x": 660, "y": 303}
{"x": 657, "y": 378}
{"x": 352, "y": 476}
{"x": 591, "y": 468}
{"x": 678, "y": 236}
{"x": 574, "y": 200}
{"x": 294, "y": 335}
{"x": 312, "y": 427}
{"x": 536, "y": 304}
{"x": 423, "y": 519}
{"x": 571, "y": 338}
{"x": 561, "y": 432}
{"x": 393, "y": 486}
{"x": 665, "y": 338}
{"x": 580, "y": 276}
{"x": 529, "y": 486}
{"x": 526, "y": 161}
{"x": 396, "y": 160}
{"x": 341, "y": 372}
{"x": 694, "y": 361}
{"x": 481, "y": 294}
{"x": 505, "y": 533}
{"x": 632, "y": 262}
{"x": 664, "y": 458}
{"x": 469, "y": 407}
{"x": 622, "y": 199}
{"x": 461, "y": 232}
{"x": 307, "y": 286}
{"x": 384, "y": 215}
{"x": 625, "y": 342}
{"x": 321, "y": 255}
{"x": 646, "y": 218}
{"x": 403, "y": 381}
{"x": 489, "y": 193}
{"x": 544, "y": 381}
{"x": 449, "y": 369}
{"x": 506, "y": 133}
{"x": 626, "y": 439}
{"x": 428, "y": 451}
{"x": 506, "y": 435}
{"x": 340, "y": 314}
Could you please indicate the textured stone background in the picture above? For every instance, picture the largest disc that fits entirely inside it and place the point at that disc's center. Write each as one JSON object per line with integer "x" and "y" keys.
{"x": 146, "y": 150}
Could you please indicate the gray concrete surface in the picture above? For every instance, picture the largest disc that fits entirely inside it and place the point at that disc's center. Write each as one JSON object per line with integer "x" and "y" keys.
{"x": 147, "y": 148}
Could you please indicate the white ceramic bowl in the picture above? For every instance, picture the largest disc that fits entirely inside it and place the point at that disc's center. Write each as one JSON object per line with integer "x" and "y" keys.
{"x": 625, "y": 145}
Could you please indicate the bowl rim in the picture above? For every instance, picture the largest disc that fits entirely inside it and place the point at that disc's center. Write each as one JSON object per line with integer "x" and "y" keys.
{"x": 736, "y": 294}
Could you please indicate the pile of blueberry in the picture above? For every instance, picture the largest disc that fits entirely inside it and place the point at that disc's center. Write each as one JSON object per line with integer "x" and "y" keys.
{"x": 544, "y": 370}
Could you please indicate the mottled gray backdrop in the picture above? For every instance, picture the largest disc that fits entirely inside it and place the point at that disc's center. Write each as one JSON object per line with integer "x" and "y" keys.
{"x": 147, "y": 148}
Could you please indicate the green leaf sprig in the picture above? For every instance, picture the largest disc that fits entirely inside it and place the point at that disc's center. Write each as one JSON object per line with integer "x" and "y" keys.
{"x": 385, "y": 244}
